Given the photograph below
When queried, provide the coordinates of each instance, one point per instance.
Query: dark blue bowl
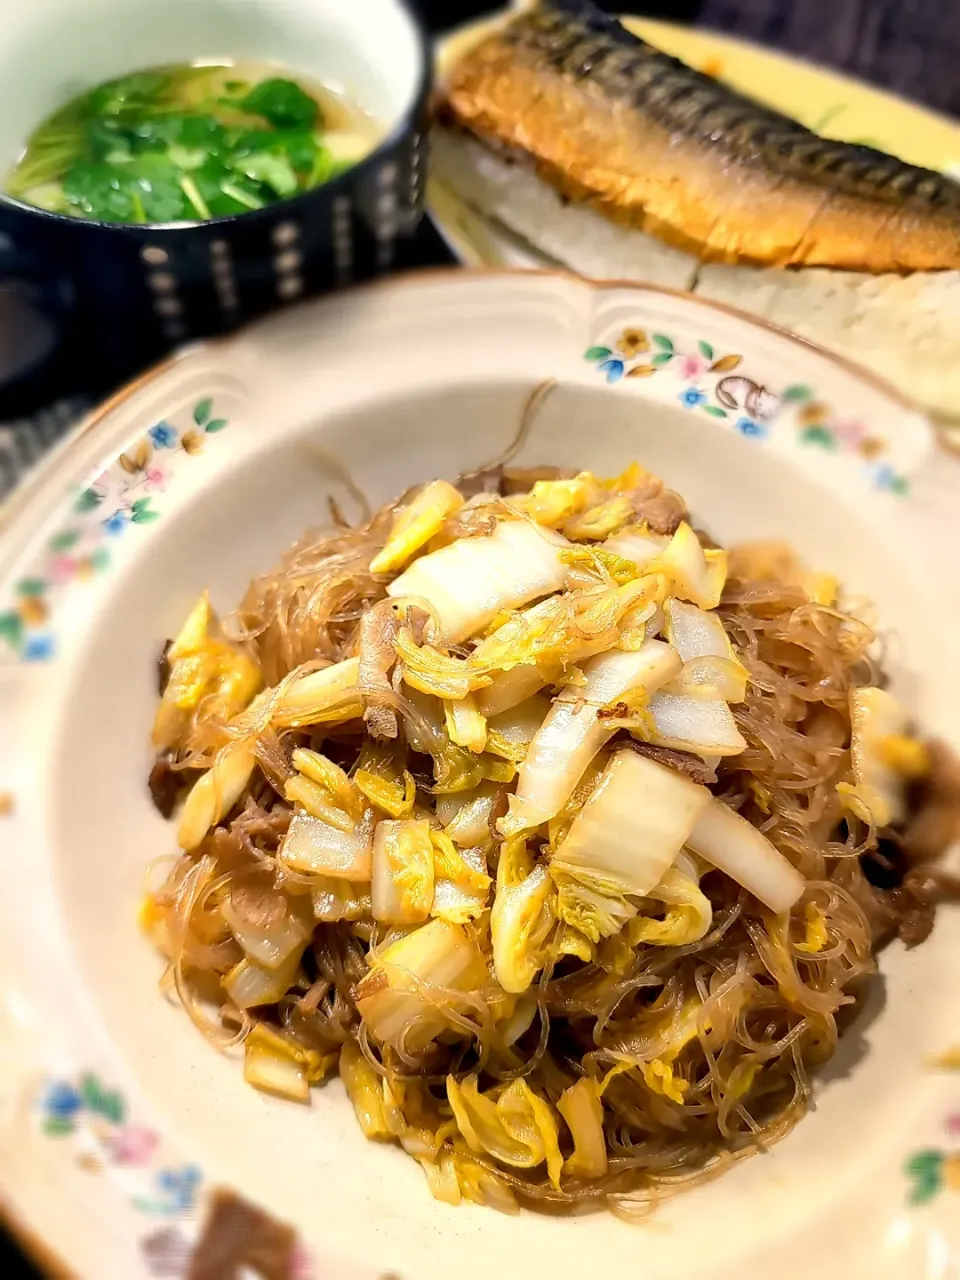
(122, 296)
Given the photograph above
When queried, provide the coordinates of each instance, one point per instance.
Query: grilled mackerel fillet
(657, 146)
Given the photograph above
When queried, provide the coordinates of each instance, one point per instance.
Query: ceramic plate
(118, 1120)
(832, 104)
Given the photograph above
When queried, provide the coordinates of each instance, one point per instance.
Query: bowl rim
(404, 125)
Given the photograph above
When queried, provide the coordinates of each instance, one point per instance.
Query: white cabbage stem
(636, 545)
(461, 899)
(509, 689)
(711, 679)
(695, 632)
(271, 944)
(572, 733)
(703, 725)
(695, 574)
(315, 846)
(468, 583)
(335, 899)
(632, 827)
(275, 1064)
(510, 733)
(330, 695)
(733, 845)
(250, 984)
(214, 794)
(466, 814)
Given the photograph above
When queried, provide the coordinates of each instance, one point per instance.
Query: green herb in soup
(188, 143)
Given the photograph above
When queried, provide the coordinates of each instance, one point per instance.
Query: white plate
(117, 1118)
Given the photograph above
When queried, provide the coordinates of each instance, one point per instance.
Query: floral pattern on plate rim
(93, 1117)
(121, 496)
(714, 384)
(103, 1138)
(95, 1120)
(937, 1168)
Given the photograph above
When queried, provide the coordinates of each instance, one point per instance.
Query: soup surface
(190, 143)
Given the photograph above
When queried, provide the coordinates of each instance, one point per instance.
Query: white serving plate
(116, 1118)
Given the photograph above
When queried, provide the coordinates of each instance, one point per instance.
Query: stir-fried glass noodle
(565, 836)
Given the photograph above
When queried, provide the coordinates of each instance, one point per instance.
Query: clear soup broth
(188, 143)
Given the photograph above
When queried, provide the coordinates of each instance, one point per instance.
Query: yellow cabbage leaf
(512, 1124)
(582, 1110)
(416, 525)
(598, 522)
(442, 1179)
(208, 677)
(597, 911)
(816, 933)
(402, 879)
(524, 912)
(462, 885)
(410, 984)
(276, 1063)
(689, 915)
(595, 562)
(214, 794)
(383, 780)
(365, 1090)
(660, 1078)
(879, 724)
(694, 574)
(571, 942)
(551, 502)
(479, 1185)
(342, 796)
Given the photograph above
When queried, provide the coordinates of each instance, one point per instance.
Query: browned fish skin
(653, 144)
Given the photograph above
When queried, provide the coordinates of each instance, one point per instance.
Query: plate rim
(730, 40)
(39, 1246)
(22, 493)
